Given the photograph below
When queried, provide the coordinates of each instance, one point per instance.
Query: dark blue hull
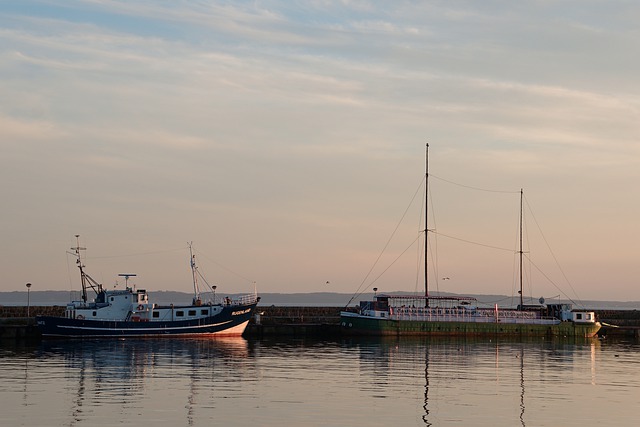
(230, 322)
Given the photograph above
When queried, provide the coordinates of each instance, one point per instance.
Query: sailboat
(128, 312)
(427, 314)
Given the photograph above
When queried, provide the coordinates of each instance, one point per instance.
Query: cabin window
(180, 313)
(588, 316)
(94, 314)
(192, 312)
(156, 314)
(204, 312)
(111, 299)
(578, 316)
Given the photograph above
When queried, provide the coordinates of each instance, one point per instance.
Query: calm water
(406, 382)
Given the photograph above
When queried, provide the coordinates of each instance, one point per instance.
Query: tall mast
(521, 300)
(426, 228)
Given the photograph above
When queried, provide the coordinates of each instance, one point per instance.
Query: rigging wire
(137, 254)
(433, 253)
(474, 188)
(552, 253)
(394, 261)
(209, 288)
(552, 282)
(359, 291)
(200, 254)
(471, 242)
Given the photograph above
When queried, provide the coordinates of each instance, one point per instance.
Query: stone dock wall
(286, 321)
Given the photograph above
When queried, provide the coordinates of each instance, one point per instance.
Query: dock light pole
(28, 299)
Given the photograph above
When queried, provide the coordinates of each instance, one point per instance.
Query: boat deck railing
(468, 315)
(245, 299)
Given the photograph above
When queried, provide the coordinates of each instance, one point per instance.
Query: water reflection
(406, 381)
(482, 370)
(121, 372)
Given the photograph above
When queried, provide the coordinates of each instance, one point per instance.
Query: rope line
(470, 242)
(474, 188)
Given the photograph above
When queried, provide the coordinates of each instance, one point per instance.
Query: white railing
(245, 299)
(466, 315)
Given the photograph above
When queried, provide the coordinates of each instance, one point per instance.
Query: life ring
(140, 307)
(80, 317)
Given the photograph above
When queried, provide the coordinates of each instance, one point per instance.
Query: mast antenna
(126, 279)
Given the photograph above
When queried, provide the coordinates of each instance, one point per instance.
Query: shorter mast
(196, 290)
(85, 279)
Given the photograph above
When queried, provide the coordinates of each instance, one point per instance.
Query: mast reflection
(425, 417)
(465, 377)
(522, 386)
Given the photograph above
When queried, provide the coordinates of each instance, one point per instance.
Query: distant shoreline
(310, 299)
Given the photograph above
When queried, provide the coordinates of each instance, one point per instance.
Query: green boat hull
(363, 325)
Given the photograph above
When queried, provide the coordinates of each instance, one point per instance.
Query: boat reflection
(472, 365)
(123, 372)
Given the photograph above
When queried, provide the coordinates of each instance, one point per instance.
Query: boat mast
(196, 295)
(426, 228)
(83, 278)
(520, 292)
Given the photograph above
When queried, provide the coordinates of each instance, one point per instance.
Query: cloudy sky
(286, 140)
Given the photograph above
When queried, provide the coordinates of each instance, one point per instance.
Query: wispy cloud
(310, 116)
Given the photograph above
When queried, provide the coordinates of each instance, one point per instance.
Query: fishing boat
(429, 314)
(129, 312)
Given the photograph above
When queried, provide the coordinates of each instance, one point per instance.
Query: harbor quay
(18, 322)
(268, 321)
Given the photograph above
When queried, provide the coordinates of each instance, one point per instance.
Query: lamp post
(214, 293)
(28, 301)
(375, 291)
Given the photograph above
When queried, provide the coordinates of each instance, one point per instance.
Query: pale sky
(286, 139)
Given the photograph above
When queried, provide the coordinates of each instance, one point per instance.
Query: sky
(286, 139)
